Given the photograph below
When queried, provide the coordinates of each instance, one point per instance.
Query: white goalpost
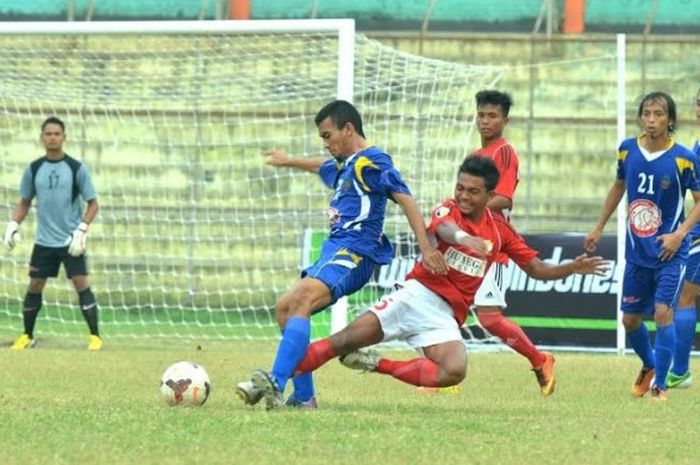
(196, 238)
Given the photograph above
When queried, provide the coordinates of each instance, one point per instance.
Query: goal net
(196, 237)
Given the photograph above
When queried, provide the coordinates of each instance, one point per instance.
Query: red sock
(512, 335)
(419, 371)
(316, 355)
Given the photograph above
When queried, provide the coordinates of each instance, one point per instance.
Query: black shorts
(46, 261)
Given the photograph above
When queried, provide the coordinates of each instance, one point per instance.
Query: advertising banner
(578, 311)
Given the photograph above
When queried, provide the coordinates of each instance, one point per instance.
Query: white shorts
(492, 292)
(417, 315)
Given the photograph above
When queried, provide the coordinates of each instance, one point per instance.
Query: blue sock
(303, 387)
(664, 347)
(684, 319)
(295, 341)
(640, 342)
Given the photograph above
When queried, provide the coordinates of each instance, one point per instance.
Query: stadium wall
(668, 16)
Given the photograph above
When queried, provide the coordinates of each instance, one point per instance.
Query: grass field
(62, 405)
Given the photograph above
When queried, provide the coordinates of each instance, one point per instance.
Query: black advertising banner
(574, 311)
(577, 311)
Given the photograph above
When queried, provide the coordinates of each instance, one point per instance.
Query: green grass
(62, 405)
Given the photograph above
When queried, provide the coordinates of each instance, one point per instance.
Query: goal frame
(345, 28)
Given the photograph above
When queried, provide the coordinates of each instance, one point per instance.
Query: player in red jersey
(428, 310)
(490, 300)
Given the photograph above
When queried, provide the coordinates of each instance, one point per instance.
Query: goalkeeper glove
(78, 240)
(12, 236)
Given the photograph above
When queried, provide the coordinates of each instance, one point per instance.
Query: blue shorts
(342, 270)
(692, 272)
(642, 287)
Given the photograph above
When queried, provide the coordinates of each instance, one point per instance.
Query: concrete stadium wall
(467, 15)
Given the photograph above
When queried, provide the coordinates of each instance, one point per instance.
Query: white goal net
(196, 237)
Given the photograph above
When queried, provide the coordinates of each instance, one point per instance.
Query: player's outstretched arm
(615, 194)
(281, 159)
(583, 264)
(432, 258)
(671, 242)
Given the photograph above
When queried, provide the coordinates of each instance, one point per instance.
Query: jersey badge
(442, 211)
(665, 182)
(644, 218)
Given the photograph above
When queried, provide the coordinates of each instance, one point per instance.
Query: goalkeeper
(58, 182)
(428, 310)
(363, 177)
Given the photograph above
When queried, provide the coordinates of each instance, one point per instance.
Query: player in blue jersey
(58, 182)
(685, 317)
(363, 178)
(655, 172)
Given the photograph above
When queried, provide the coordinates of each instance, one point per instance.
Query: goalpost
(196, 237)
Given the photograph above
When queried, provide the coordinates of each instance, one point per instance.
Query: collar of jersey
(351, 157)
(651, 156)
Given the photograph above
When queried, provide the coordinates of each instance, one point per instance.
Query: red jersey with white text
(467, 271)
(505, 158)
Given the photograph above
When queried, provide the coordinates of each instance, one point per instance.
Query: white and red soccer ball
(186, 384)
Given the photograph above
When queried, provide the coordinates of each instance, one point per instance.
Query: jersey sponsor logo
(466, 264)
(644, 218)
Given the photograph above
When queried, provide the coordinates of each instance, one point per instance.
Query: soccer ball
(185, 383)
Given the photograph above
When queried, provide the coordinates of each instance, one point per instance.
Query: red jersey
(505, 158)
(466, 271)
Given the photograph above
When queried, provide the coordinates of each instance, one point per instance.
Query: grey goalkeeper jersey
(57, 214)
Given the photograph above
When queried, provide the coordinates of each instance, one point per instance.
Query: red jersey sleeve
(506, 160)
(513, 245)
(444, 212)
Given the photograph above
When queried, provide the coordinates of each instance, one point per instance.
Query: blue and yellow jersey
(656, 185)
(695, 232)
(362, 184)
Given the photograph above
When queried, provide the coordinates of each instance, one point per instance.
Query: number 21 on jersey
(646, 184)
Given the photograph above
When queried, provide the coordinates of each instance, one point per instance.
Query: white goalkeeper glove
(12, 236)
(78, 240)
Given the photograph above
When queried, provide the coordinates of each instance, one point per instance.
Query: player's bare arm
(615, 194)
(280, 159)
(499, 202)
(583, 264)
(671, 242)
(432, 258)
(453, 234)
(22, 210)
(91, 211)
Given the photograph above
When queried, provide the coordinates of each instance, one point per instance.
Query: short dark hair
(53, 120)
(341, 112)
(670, 107)
(483, 167)
(495, 97)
